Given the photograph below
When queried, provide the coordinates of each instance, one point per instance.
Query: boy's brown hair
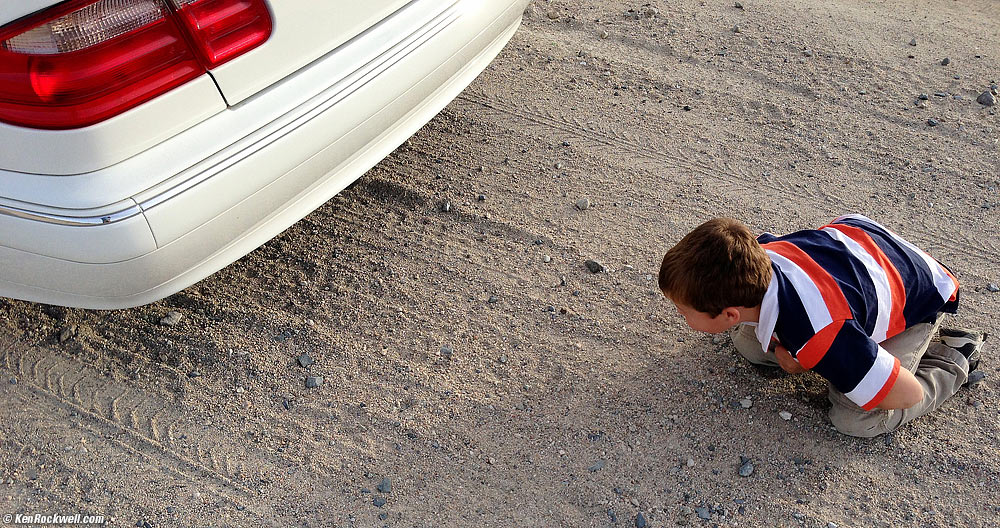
(718, 265)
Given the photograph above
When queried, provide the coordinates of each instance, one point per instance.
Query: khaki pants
(940, 369)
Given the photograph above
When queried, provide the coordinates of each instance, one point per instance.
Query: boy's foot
(975, 378)
(967, 342)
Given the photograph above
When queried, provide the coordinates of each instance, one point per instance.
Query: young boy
(851, 301)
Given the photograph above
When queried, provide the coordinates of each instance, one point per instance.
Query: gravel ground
(471, 334)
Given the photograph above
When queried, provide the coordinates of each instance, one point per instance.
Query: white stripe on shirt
(812, 299)
(874, 380)
(879, 278)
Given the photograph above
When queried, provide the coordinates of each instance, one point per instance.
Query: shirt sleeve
(843, 353)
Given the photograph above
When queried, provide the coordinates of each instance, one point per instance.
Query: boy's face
(703, 322)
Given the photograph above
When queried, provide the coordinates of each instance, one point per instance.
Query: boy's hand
(787, 362)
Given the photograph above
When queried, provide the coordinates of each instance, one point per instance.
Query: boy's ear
(732, 314)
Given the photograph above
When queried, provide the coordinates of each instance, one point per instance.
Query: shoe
(967, 342)
(975, 378)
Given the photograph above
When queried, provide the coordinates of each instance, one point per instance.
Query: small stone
(690, 462)
(172, 318)
(446, 207)
(314, 381)
(736, 29)
(558, 165)
(975, 378)
(992, 288)
(987, 98)
(785, 415)
(594, 266)
(640, 521)
(604, 35)
(304, 360)
(807, 53)
(597, 466)
(941, 94)
(378, 502)
(703, 513)
(913, 42)
(68, 333)
(481, 197)
(552, 15)
(738, 5)
(687, 108)
(493, 299)
(945, 61)
(385, 486)
(746, 467)
(546, 259)
(383, 516)
(923, 97)
(446, 352)
(831, 525)
(612, 516)
(746, 403)
(932, 122)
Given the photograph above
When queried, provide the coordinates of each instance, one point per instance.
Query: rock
(807, 53)
(738, 5)
(945, 61)
(913, 42)
(941, 94)
(546, 259)
(785, 415)
(923, 97)
(640, 521)
(446, 352)
(493, 299)
(987, 98)
(446, 207)
(736, 29)
(612, 516)
(703, 513)
(68, 333)
(604, 35)
(558, 165)
(594, 266)
(597, 466)
(304, 360)
(992, 288)
(172, 318)
(831, 525)
(552, 15)
(975, 378)
(383, 516)
(378, 502)
(932, 122)
(687, 108)
(313, 381)
(746, 403)
(385, 486)
(481, 198)
(690, 462)
(746, 467)
(583, 204)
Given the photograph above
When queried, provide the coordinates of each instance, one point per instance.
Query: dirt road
(469, 356)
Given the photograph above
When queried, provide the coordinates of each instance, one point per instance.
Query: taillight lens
(223, 29)
(84, 61)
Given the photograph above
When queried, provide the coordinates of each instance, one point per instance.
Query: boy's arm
(905, 393)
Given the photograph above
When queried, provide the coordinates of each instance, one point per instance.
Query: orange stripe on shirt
(833, 297)
(897, 323)
(884, 391)
(954, 294)
(814, 349)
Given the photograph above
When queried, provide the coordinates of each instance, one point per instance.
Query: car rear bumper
(211, 208)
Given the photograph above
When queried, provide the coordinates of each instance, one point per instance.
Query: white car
(146, 144)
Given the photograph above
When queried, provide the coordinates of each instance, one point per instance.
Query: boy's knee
(862, 425)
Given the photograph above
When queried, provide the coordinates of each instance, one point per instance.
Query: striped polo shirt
(838, 291)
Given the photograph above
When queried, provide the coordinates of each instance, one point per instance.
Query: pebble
(314, 381)
(690, 462)
(923, 97)
(640, 521)
(987, 98)
(304, 360)
(738, 5)
(703, 513)
(932, 122)
(481, 197)
(583, 204)
(378, 502)
(831, 525)
(941, 94)
(594, 266)
(993, 288)
(597, 466)
(612, 516)
(383, 516)
(546, 259)
(913, 42)
(746, 467)
(68, 333)
(558, 165)
(604, 35)
(172, 318)
(552, 15)
(945, 61)
(736, 29)
(446, 207)
(446, 351)
(785, 415)
(385, 486)
(746, 403)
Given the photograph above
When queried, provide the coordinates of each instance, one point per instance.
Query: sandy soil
(471, 358)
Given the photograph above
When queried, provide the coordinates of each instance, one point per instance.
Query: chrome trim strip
(72, 221)
(322, 102)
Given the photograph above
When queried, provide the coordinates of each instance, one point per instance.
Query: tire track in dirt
(128, 419)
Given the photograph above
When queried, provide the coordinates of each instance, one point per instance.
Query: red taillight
(223, 29)
(84, 61)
